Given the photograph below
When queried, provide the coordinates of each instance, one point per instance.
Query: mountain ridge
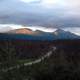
(25, 33)
(21, 31)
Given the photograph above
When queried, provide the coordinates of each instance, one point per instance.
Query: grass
(24, 61)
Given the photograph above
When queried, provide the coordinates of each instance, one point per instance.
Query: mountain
(21, 31)
(58, 34)
(61, 34)
(28, 34)
(42, 33)
(39, 32)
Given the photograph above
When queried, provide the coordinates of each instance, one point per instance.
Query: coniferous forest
(63, 64)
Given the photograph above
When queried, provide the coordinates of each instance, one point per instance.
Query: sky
(46, 13)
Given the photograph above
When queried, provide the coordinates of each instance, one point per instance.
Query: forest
(63, 64)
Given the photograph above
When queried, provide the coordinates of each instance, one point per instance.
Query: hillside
(63, 64)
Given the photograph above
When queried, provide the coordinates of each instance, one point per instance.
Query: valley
(63, 61)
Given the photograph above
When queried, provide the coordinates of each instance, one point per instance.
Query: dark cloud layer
(17, 12)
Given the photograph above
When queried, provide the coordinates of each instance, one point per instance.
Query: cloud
(8, 27)
(30, 1)
(72, 3)
(70, 7)
(75, 30)
(48, 3)
(45, 3)
(40, 12)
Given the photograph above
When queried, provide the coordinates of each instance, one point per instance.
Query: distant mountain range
(25, 33)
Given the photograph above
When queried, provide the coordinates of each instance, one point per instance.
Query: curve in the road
(32, 62)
